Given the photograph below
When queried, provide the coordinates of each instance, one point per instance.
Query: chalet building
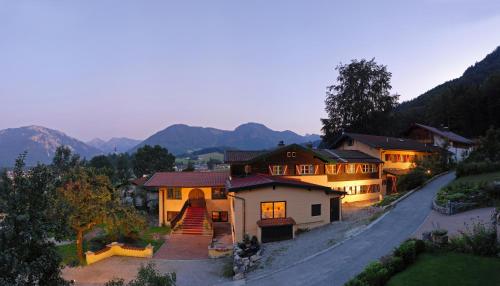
(397, 154)
(460, 147)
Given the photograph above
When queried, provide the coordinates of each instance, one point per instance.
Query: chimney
(281, 143)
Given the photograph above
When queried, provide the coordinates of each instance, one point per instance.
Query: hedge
(474, 168)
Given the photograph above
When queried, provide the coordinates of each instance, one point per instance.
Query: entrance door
(334, 209)
(389, 185)
(196, 198)
(276, 233)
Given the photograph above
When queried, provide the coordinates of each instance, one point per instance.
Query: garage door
(277, 233)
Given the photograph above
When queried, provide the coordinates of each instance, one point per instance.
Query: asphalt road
(336, 266)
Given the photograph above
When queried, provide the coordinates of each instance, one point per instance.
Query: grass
(68, 253)
(450, 269)
(389, 199)
(148, 236)
(486, 178)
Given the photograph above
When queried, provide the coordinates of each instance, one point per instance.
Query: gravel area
(277, 255)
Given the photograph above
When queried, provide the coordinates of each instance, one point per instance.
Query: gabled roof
(388, 143)
(139, 181)
(348, 156)
(261, 180)
(188, 179)
(444, 133)
(235, 156)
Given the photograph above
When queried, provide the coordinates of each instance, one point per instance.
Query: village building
(459, 146)
(399, 155)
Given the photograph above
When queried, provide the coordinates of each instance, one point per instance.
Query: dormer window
(291, 154)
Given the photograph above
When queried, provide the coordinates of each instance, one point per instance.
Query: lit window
(273, 210)
(350, 168)
(277, 170)
(374, 168)
(363, 189)
(331, 169)
(306, 169)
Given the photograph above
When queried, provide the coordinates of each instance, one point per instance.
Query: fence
(119, 249)
(452, 207)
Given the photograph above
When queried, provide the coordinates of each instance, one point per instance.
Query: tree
(147, 276)
(64, 160)
(212, 162)
(149, 160)
(123, 172)
(26, 255)
(91, 200)
(190, 167)
(488, 147)
(103, 165)
(359, 101)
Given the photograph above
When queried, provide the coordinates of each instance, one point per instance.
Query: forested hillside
(468, 105)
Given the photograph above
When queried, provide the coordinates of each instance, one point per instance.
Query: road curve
(338, 265)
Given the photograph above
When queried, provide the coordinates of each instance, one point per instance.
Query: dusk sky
(131, 68)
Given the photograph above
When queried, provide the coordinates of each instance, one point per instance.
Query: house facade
(459, 146)
(398, 155)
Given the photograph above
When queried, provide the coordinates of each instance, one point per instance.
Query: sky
(96, 68)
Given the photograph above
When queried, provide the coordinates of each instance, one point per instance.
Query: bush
(462, 193)
(474, 168)
(375, 274)
(147, 275)
(479, 240)
(407, 251)
(356, 282)
(415, 178)
(394, 264)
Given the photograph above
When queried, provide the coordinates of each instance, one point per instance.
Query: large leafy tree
(26, 255)
(89, 200)
(148, 160)
(102, 164)
(360, 100)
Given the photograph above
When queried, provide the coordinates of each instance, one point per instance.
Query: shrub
(356, 282)
(412, 180)
(479, 240)
(147, 275)
(407, 251)
(394, 264)
(474, 168)
(419, 246)
(375, 274)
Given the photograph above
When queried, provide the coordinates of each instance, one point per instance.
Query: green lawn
(450, 269)
(68, 253)
(486, 177)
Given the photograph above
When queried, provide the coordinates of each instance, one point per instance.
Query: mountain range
(115, 144)
(41, 142)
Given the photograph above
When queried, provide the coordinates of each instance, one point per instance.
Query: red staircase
(194, 222)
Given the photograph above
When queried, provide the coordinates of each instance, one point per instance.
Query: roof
(234, 156)
(261, 181)
(445, 133)
(276, 222)
(348, 156)
(139, 181)
(388, 143)
(396, 171)
(187, 179)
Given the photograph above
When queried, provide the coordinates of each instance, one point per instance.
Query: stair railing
(210, 222)
(178, 217)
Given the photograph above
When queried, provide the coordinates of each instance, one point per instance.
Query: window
(374, 168)
(291, 154)
(387, 157)
(277, 170)
(306, 169)
(174, 194)
(350, 168)
(272, 210)
(351, 190)
(374, 188)
(363, 189)
(316, 210)
(219, 193)
(365, 168)
(331, 169)
(219, 216)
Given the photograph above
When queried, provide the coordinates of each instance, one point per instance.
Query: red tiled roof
(396, 171)
(261, 180)
(139, 181)
(187, 179)
(275, 222)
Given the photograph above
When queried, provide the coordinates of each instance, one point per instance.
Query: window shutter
(270, 170)
(297, 169)
(285, 171)
(316, 169)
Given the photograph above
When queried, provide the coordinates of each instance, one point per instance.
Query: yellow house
(398, 154)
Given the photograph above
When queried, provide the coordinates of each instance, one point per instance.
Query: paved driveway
(338, 265)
